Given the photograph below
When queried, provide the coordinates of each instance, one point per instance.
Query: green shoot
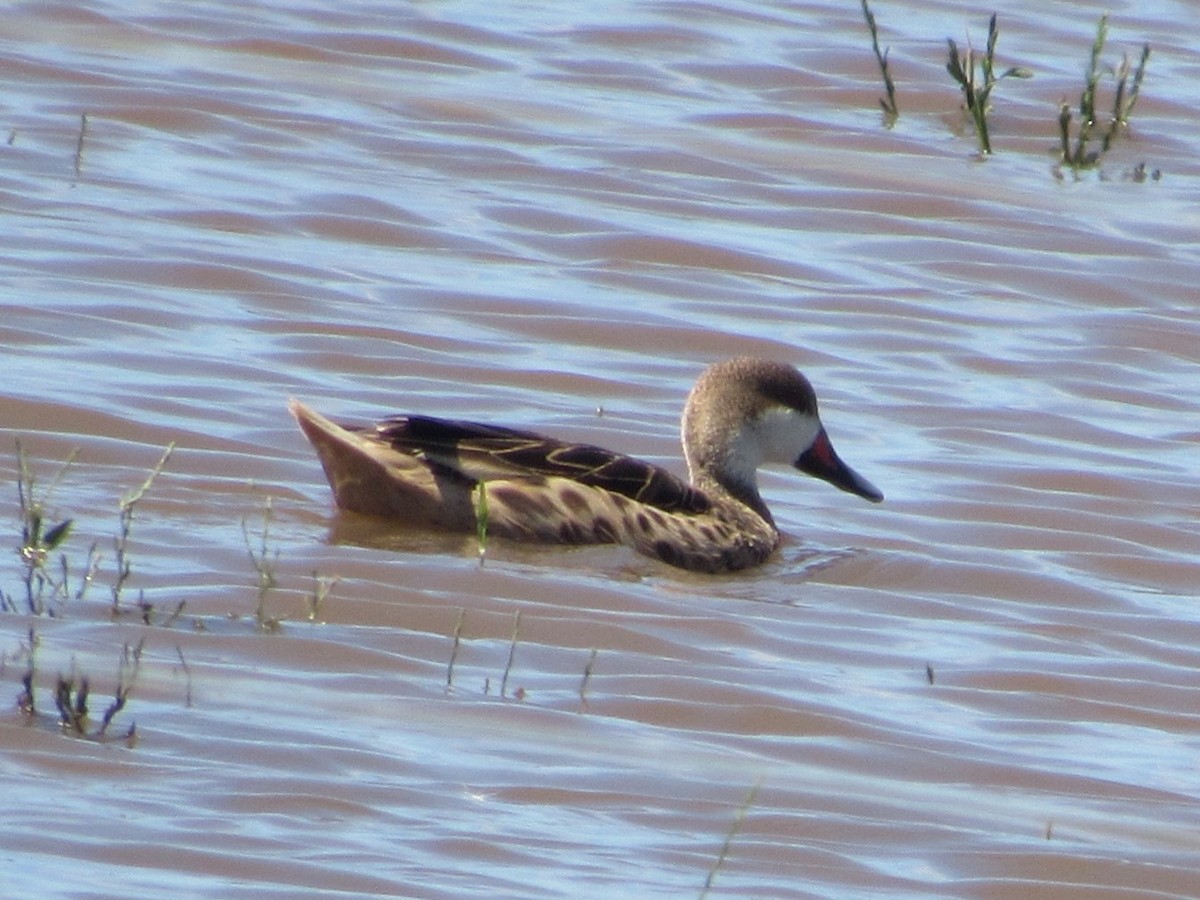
(890, 110)
(322, 585)
(976, 76)
(40, 538)
(738, 819)
(1077, 154)
(587, 676)
(127, 673)
(121, 542)
(512, 653)
(481, 518)
(455, 644)
(263, 562)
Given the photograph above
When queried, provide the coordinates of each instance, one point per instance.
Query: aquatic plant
(455, 643)
(322, 585)
(45, 592)
(25, 700)
(976, 76)
(512, 655)
(83, 129)
(481, 519)
(72, 693)
(263, 560)
(587, 676)
(187, 676)
(890, 109)
(1125, 97)
(121, 542)
(734, 828)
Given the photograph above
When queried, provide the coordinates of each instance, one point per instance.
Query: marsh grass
(734, 828)
(587, 677)
(83, 130)
(187, 676)
(455, 644)
(1079, 154)
(46, 592)
(25, 700)
(512, 655)
(263, 560)
(128, 507)
(322, 586)
(127, 674)
(976, 76)
(481, 519)
(890, 110)
(73, 694)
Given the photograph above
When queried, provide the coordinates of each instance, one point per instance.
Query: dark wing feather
(458, 444)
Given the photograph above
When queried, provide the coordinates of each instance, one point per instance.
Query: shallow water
(556, 218)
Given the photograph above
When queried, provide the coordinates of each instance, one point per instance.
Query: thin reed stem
(512, 653)
(890, 109)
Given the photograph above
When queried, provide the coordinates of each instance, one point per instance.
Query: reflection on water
(527, 217)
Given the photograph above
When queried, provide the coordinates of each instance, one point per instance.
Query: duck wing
(486, 452)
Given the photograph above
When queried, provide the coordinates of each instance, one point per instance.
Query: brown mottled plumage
(741, 414)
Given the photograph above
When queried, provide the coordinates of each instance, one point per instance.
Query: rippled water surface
(555, 215)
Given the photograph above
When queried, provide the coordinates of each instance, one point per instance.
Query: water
(554, 218)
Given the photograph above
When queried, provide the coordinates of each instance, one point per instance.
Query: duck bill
(821, 461)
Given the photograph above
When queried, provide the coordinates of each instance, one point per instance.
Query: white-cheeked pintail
(741, 414)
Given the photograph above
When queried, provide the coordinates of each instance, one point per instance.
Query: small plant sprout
(72, 692)
(738, 819)
(587, 676)
(187, 676)
(322, 585)
(891, 112)
(263, 561)
(127, 673)
(39, 540)
(1125, 97)
(976, 76)
(512, 654)
(456, 642)
(71, 697)
(25, 701)
(83, 129)
(121, 542)
(481, 519)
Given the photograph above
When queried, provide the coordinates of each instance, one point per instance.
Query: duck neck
(735, 491)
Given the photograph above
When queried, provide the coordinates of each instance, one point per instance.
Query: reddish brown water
(527, 213)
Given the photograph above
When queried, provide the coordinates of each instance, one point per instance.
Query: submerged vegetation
(72, 692)
(481, 519)
(1080, 146)
(1078, 154)
(49, 580)
(48, 585)
(734, 828)
(71, 695)
(45, 591)
(121, 542)
(263, 561)
(890, 110)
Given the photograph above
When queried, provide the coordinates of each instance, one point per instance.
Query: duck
(478, 478)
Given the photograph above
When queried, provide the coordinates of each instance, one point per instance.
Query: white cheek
(784, 434)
